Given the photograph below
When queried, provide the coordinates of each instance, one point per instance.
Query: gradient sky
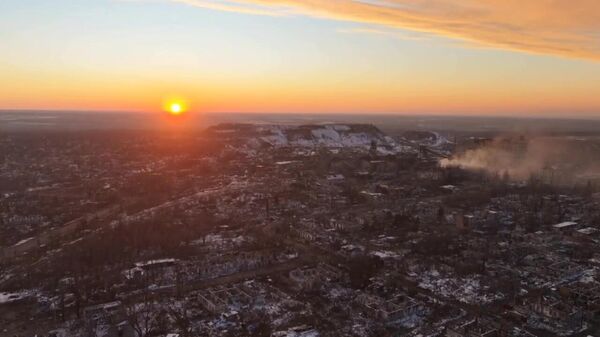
(506, 57)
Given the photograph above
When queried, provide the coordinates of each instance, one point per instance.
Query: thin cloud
(382, 32)
(553, 27)
(233, 6)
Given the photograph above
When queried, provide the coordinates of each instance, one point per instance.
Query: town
(295, 230)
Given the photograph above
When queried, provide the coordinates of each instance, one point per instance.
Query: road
(7, 253)
(58, 232)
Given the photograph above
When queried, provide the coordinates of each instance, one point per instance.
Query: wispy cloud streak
(384, 33)
(233, 6)
(555, 27)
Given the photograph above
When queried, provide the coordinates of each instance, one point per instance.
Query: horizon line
(515, 115)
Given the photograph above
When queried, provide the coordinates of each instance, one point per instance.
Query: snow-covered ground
(14, 297)
(329, 136)
(325, 135)
(467, 290)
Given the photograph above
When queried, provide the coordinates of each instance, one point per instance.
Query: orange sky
(539, 57)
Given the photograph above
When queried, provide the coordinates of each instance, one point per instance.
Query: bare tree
(180, 315)
(143, 316)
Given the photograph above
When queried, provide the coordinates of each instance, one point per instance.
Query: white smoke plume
(554, 158)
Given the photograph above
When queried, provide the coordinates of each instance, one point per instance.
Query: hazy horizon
(389, 123)
(313, 113)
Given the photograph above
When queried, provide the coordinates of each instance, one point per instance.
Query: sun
(175, 107)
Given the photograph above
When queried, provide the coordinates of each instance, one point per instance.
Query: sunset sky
(482, 57)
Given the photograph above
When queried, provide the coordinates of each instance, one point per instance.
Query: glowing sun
(175, 108)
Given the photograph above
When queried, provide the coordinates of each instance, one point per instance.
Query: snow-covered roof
(565, 224)
(23, 241)
(13, 297)
(155, 262)
(335, 177)
(587, 230)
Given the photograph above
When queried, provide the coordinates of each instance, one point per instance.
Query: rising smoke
(556, 159)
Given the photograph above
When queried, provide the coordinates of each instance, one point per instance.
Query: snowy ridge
(431, 139)
(439, 140)
(334, 136)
